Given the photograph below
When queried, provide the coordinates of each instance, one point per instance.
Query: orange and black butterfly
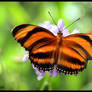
(70, 53)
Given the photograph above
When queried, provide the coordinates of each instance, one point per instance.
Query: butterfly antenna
(73, 22)
(52, 18)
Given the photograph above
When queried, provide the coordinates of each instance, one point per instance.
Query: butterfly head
(60, 33)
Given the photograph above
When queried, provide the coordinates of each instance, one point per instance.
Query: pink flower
(54, 29)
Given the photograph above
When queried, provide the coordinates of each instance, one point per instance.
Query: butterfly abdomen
(58, 46)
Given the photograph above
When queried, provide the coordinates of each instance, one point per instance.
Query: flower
(54, 29)
(26, 57)
(39, 73)
(53, 73)
(75, 31)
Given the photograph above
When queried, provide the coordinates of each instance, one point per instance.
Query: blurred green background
(17, 75)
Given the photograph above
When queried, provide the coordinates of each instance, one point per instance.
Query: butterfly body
(69, 54)
(58, 44)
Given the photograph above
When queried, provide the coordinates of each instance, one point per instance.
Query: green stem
(47, 82)
(44, 85)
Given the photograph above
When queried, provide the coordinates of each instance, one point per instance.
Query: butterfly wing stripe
(84, 50)
(40, 29)
(16, 29)
(44, 61)
(41, 42)
(66, 61)
(22, 40)
(87, 38)
(34, 31)
(70, 55)
(78, 52)
(48, 65)
(42, 55)
(29, 34)
(68, 70)
(28, 30)
(75, 44)
(68, 64)
(44, 67)
(78, 47)
(72, 60)
(37, 36)
(84, 40)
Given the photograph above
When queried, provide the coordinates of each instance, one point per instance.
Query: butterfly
(70, 54)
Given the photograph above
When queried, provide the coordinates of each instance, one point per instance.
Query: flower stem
(49, 83)
(44, 85)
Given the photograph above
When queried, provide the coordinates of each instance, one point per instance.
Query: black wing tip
(15, 30)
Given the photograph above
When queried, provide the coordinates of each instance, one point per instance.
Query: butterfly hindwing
(44, 57)
(74, 52)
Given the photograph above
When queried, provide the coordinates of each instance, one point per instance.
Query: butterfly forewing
(75, 51)
(29, 35)
(39, 42)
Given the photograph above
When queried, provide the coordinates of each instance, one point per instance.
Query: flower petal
(60, 24)
(65, 32)
(46, 25)
(40, 73)
(75, 74)
(51, 27)
(54, 29)
(53, 72)
(75, 31)
(26, 51)
(25, 58)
